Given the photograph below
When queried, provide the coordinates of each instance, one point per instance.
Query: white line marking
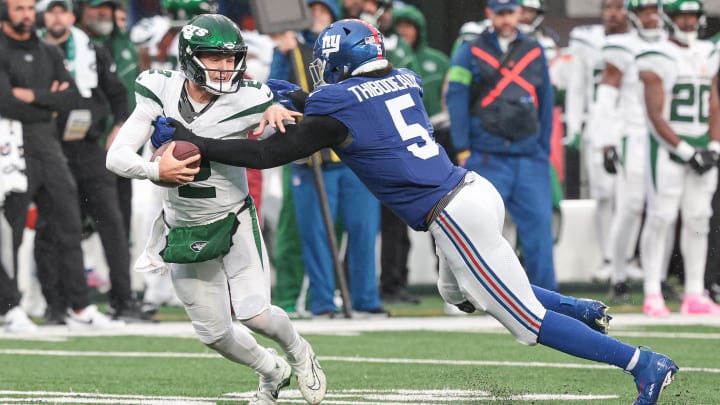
(340, 397)
(71, 353)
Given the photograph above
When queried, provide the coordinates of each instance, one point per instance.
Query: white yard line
(177, 355)
(341, 397)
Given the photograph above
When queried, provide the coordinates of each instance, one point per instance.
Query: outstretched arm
(299, 141)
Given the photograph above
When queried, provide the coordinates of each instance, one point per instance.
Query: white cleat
(90, 319)
(270, 386)
(310, 376)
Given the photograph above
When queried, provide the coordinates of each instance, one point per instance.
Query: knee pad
(269, 322)
(215, 341)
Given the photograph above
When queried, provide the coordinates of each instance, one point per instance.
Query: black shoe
(668, 292)
(326, 315)
(620, 293)
(401, 297)
(131, 312)
(54, 317)
(715, 292)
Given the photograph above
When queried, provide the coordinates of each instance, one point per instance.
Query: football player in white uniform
(587, 64)
(208, 230)
(619, 100)
(681, 96)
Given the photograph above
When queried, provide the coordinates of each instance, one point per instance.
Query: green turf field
(432, 366)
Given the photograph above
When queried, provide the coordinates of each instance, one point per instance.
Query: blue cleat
(591, 312)
(657, 374)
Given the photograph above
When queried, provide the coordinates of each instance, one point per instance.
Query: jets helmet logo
(330, 44)
(189, 31)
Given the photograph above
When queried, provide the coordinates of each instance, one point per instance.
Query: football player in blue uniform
(372, 115)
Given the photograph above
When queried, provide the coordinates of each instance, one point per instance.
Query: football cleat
(699, 305)
(654, 305)
(270, 386)
(657, 374)
(89, 318)
(593, 314)
(310, 376)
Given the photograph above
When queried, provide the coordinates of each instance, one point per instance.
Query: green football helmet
(212, 33)
(537, 5)
(672, 8)
(181, 11)
(649, 34)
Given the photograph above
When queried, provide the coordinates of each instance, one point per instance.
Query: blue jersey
(393, 151)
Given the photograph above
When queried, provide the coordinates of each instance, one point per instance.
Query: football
(182, 151)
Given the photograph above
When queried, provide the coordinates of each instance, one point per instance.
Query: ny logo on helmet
(330, 44)
(189, 31)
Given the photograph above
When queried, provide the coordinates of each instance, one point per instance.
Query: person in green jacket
(432, 64)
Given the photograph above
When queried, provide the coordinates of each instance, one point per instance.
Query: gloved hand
(610, 159)
(163, 132)
(703, 160)
(280, 90)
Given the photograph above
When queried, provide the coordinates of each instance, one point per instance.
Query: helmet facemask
(648, 34)
(201, 74)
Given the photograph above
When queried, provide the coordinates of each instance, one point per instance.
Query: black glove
(703, 160)
(610, 159)
(184, 134)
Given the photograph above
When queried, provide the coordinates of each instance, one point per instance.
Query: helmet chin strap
(684, 37)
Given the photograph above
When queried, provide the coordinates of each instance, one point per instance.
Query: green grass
(378, 364)
(214, 377)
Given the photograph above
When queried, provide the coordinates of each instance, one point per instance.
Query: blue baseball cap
(503, 5)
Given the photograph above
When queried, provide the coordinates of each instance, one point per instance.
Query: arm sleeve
(458, 97)
(112, 86)
(11, 107)
(60, 101)
(576, 89)
(659, 63)
(299, 141)
(122, 157)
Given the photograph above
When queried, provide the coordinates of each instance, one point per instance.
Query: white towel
(150, 260)
(12, 162)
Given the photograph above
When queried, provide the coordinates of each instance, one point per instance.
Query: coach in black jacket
(35, 87)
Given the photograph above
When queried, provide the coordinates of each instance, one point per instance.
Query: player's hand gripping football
(176, 171)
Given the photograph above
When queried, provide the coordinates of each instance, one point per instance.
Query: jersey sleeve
(326, 100)
(149, 87)
(576, 85)
(616, 52)
(659, 62)
(714, 58)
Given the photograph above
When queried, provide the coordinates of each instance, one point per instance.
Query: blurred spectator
(82, 129)
(506, 141)
(36, 87)
(352, 8)
(347, 197)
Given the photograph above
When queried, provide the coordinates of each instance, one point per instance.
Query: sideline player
(229, 269)
(586, 44)
(372, 115)
(618, 126)
(681, 96)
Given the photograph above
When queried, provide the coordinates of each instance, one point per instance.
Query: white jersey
(218, 189)
(620, 51)
(687, 74)
(585, 44)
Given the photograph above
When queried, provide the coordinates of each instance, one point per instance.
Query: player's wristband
(684, 151)
(714, 146)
